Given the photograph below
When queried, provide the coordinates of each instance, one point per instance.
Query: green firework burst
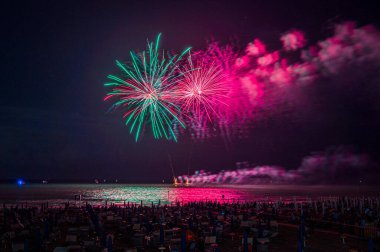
(144, 88)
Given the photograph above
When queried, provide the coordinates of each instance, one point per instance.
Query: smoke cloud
(338, 165)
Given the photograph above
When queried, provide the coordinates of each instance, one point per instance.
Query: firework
(144, 91)
(202, 90)
(220, 92)
(218, 60)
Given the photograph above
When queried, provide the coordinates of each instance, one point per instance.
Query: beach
(258, 223)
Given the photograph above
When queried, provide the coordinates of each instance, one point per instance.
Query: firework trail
(144, 91)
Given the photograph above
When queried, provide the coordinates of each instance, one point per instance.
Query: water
(148, 193)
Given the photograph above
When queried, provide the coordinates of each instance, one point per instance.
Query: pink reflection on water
(191, 194)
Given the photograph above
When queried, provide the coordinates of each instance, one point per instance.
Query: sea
(58, 194)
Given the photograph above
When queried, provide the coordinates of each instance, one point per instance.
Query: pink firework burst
(224, 58)
(202, 91)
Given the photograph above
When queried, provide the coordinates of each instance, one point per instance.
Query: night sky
(56, 56)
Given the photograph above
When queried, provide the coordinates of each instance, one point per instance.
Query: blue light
(20, 182)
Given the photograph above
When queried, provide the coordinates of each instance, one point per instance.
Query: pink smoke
(256, 48)
(293, 40)
(330, 166)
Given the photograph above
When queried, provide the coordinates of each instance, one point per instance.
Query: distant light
(20, 182)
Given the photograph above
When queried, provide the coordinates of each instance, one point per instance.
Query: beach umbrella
(301, 236)
(109, 244)
(370, 245)
(162, 235)
(183, 241)
(60, 249)
(214, 230)
(26, 245)
(323, 208)
(38, 238)
(4, 216)
(300, 243)
(315, 207)
(96, 224)
(103, 239)
(245, 242)
(46, 229)
(190, 222)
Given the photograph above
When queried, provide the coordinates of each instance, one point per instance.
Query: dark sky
(55, 56)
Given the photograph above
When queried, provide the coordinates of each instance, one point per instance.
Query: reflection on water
(166, 193)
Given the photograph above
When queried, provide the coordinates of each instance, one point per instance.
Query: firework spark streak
(144, 91)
